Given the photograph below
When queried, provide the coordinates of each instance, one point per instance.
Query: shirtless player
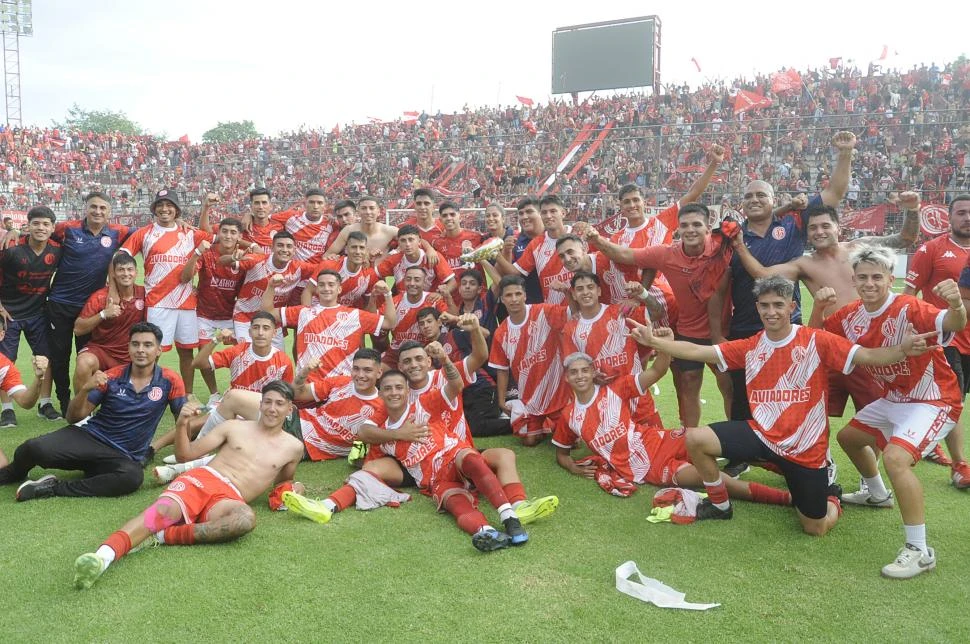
(210, 504)
(379, 235)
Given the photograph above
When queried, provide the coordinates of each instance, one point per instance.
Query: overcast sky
(180, 66)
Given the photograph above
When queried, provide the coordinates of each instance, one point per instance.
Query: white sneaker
(170, 460)
(164, 474)
(862, 497)
(910, 562)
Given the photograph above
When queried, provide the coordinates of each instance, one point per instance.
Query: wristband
(103, 317)
(198, 252)
(644, 293)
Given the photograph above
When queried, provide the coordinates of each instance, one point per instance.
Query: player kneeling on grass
(785, 368)
(440, 460)
(210, 504)
(602, 417)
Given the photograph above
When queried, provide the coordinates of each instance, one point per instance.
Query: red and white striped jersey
(258, 270)
(927, 378)
(407, 318)
(330, 429)
(354, 287)
(540, 256)
(312, 238)
(166, 251)
(654, 231)
(329, 334)
(396, 264)
(787, 385)
(249, 371)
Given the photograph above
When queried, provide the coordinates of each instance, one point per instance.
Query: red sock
(344, 497)
(469, 519)
(474, 467)
(181, 535)
(120, 542)
(515, 492)
(767, 494)
(717, 493)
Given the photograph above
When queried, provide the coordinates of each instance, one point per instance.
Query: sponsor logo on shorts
(176, 486)
(155, 394)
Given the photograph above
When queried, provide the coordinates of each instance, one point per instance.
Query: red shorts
(859, 385)
(448, 482)
(536, 425)
(668, 454)
(198, 490)
(105, 359)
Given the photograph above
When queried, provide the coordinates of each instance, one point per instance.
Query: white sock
(44, 401)
(515, 506)
(877, 489)
(505, 511)
(182, 468)
(330, 505)
(107, 555)
(916, 536)
(160, 535)
(7, 406)
(484, 528)
(214, 419)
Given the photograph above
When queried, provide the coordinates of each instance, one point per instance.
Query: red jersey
(249, 371)
(935, 261)
(427, 234)
(426, 460)
(354, 287)
(330, 429)
(437, 380)
(262, 236)
(329, 334)
(788, 388)
(396, 264)
(312, 237)
(603, 338)
(540, 257)
(10, 381)
(218, 286)
(453, 247)
(606, 425)
(258, 269)
(693, 280)
(112, 335)
(654, 231)
(407, 318)
(530, 352)
(613, 279)
(166, 251)
(927, 378)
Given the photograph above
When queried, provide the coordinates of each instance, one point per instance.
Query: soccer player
(923, 398)
(329, 333)
(475, 298)
(344, 214)
(423, 218)
(312, 230)
(87, 248)
(13, 386)
(694, 267)
(25, 279)
(938, 259)
(357, 279)
(540, 256)
(218, 288)
(413, 254)
(377, 234)
(112, 446)
(406, 306)
(261, 225)
(454, 240)
(531, 227)
(109, 322)
(252, 363)
(210, 504)
(258, 270)
(785, 367)
(601, 415)
(526, 349)
(165, 248)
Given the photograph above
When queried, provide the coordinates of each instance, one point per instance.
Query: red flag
(785, 81)
(885, 52)
(872, 219)
(696, 64)
(746, 100)
(835, 62)
(525, 100)
(184, 139)
(374, 119)
(411, 116)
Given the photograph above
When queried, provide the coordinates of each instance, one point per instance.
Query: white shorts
(916, 427)
(207, 328)
(241, 329)
(180, 325)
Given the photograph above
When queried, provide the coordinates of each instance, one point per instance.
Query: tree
(231, 131)
(101, 121)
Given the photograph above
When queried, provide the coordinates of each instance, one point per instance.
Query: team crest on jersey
(106, 242)
(155, 394)
(176, 486)
(49, 259)
(140, 304)
(798, 354)
(677, 433)
(547, 252)
(889, 328)
(778, 233)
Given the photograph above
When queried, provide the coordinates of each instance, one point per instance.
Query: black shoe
(707, 510)
(8, 418)
(835, 490)
(734, 469)
(42, 488)
(517, 534)
(47, 412)
(490, 539)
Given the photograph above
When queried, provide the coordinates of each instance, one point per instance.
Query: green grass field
(409, 574)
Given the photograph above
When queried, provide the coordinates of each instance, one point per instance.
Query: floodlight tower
(16, 20)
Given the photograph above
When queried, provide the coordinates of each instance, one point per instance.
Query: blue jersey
(127, 419)
(783, 242)
(84, 260)
(533, 291)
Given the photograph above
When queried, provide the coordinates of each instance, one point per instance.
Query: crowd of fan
(912, 128)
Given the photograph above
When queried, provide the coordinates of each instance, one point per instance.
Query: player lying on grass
(785, 367)
(602, 417)
(210, 504)
(443, 464)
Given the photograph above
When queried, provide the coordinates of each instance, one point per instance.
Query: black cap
(166, 194)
